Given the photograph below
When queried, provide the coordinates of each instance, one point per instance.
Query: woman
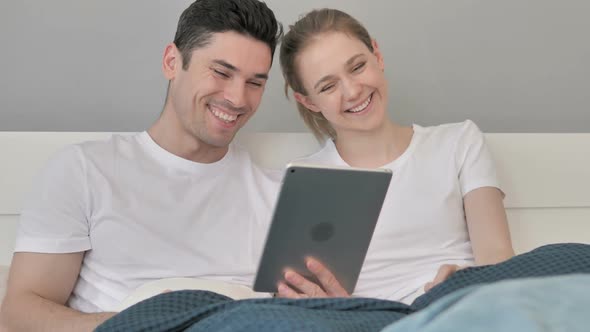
(443, 210)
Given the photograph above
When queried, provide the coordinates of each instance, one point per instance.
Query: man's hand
(444, 272)
(330, 287)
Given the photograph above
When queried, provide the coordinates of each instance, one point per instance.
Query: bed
(546, 178)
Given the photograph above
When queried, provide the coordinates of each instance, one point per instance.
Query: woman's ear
(305, 101)
(378, 54)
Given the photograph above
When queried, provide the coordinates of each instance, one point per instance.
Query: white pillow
(153, 288)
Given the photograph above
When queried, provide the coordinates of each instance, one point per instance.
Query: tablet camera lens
(322, 231)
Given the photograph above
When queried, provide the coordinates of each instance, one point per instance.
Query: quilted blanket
(206, 311)
(556, 303)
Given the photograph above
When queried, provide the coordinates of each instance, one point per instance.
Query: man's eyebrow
(231, 67)
(226, 65)
(329, 77)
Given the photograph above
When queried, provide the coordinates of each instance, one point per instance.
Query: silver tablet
(328, 213)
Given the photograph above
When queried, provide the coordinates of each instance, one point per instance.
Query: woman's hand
(329, 286)
(444, 272)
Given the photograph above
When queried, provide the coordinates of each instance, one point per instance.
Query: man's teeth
(223, 116)
(361, 106)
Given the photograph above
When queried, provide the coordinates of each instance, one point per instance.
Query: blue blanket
(558, 303)
(206, 311)
(549, 260)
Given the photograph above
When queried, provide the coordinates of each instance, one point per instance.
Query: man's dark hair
(203, 18)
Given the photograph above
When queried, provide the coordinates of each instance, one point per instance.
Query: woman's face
(344, 81)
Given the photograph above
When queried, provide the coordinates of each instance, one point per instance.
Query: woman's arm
(488, 231)
(488, 226)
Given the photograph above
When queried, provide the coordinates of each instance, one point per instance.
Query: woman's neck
(374, 149)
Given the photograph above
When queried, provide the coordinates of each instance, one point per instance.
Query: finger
(329, 282)
(305, 286)
(444, 272)
(285, 291)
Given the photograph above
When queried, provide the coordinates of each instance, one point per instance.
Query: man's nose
(235, 93)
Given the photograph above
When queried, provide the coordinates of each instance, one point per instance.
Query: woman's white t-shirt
(422, 223)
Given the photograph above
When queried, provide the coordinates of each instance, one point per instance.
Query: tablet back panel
(326, 213)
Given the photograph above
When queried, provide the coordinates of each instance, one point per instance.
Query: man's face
(221, 88)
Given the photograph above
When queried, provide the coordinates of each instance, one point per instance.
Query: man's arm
(38, 287)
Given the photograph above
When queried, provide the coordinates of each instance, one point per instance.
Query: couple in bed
(179, 200)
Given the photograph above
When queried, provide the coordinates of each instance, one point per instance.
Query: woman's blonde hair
(299, 36)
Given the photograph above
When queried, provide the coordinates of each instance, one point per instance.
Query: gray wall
(510, 65)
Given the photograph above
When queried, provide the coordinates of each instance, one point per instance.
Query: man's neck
(170, 135)
(374, 149)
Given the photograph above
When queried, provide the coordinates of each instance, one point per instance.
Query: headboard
(546, 178)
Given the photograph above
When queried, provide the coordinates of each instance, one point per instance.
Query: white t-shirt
(142, 214)
(422, 223)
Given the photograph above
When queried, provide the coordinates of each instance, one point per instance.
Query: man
(175, 201)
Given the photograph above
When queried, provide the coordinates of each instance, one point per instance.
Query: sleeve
(54, 218)
(474, 160)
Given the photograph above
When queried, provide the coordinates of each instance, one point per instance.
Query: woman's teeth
(362, 106)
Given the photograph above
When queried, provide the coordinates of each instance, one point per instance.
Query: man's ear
(378, 54)
(305, 101)
(172, 61)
